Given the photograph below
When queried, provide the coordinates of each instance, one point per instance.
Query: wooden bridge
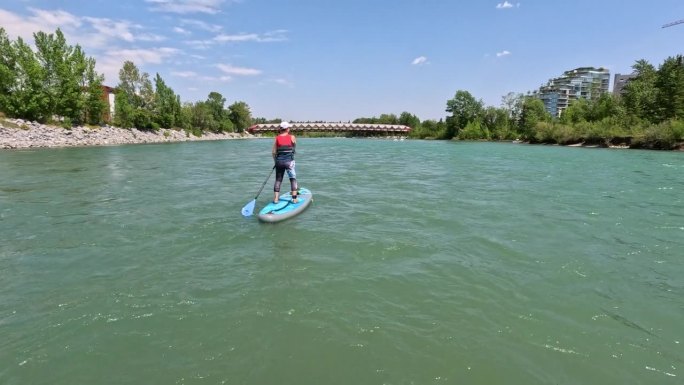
(360, 129)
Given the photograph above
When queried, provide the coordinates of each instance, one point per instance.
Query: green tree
(215, 102)
(123, 110)
(512, 103)
(201, 118)
(8, 76)
(639, 94)
(387, 119)
(95, 104)
(429, 129)
(64, 67)
(533, 112)
(497, 122)
(27, 99)
(669, 83)
(166, 103)
(139, 92)
(605, 106)
(408, 119)
(578, 111)
(240, 115)
(129, 79)
(474, 130)
(464, 108)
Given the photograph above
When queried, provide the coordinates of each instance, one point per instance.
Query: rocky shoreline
(18, 134)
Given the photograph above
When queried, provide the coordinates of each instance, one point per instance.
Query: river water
(419, 262)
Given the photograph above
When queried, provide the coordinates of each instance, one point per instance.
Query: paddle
(249, 207)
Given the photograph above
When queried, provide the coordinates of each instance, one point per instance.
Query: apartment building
(579, 83)
(619, 82)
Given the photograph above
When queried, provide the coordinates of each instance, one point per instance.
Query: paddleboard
(284, 209)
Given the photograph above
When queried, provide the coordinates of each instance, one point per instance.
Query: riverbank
(18, 133)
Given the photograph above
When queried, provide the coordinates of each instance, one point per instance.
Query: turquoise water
(419, 262)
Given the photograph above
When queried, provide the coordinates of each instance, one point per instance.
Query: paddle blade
(249, 208)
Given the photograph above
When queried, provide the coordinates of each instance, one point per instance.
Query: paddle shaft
(264, 184)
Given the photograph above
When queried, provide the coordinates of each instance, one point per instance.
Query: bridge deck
(334, 127)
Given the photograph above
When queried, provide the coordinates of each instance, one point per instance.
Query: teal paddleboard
(285, 208)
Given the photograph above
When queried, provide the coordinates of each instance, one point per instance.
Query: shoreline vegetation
(20, 134)
(52, 96)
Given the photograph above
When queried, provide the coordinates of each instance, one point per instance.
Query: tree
(240, 115)
(464, 108)
(129, 79)
(64, 68)
(408, 119)
(215, 102)
(27, 99)
(8, 76)
(429, 129)
(201, 118)
(94, 103)
(578, 111)
(603, 107)
(512, 103)
(533, 112)
(139, 92)
(123, 110)
(387, 119)
(166, 104)
(497, 123)
(669, 82)
(639, 94)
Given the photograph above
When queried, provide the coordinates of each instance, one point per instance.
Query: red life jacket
(285, 148)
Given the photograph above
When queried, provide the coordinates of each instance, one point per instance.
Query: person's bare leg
(276, 196)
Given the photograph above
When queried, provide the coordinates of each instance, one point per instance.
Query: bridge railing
(334, 127)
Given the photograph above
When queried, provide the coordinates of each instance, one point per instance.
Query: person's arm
(294, 144)
(273, 150)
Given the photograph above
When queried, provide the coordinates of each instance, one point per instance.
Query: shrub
(473, 131)
(67, 123)
(556, 133)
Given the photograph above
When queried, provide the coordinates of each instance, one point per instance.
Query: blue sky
(341, 60)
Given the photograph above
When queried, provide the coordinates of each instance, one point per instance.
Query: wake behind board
(284, 209)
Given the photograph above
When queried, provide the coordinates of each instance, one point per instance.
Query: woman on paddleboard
(283, 154)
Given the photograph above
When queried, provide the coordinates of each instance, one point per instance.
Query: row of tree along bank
(648, 114)
(58, 84)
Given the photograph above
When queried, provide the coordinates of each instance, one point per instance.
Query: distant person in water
(283, 154)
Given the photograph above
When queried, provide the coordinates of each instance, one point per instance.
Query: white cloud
(277, 35)
(184, 74)
(506, 5)
(201, 25)
(186, 6)
(181, 31)
(54, 18)
(240, 71)
(420, 60)
(195, 75)
(113, 29)
(142, 56)
(112, 61)
(200, 44)
(238, 38)
(502, 53)
(283, 82)
(273, 36)
(41, 20)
